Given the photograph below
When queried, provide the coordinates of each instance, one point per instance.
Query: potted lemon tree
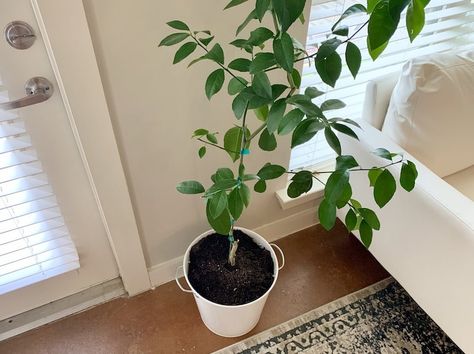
(231, 270)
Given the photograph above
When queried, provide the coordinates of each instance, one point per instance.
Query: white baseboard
(166, 271)
(55, 310)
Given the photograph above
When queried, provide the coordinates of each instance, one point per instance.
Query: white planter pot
(225, 320)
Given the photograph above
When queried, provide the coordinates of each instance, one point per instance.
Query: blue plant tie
(245, 151)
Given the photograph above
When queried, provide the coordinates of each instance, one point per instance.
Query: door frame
(63, 26)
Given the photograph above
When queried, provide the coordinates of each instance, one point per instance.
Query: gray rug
(382, 318)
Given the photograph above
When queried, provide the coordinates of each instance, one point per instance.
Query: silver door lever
(38, 89)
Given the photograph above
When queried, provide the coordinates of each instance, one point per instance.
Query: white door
(52, 158)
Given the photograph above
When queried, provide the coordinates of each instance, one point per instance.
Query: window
(34, 240)
(448, 26)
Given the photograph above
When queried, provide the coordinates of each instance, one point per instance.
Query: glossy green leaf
(234, 3)
(261, 62)
(216, 54)
(267, 141)
(184, 51)
(329, 69)
(365, 233)
(304, 103)
(341, 31)
(332, 140)
(239, 104)
(327, 214)
(202, 152)
(179, 25)
(214, 83)
(173, 39)
(233, 142)
(346, 162)
(277, 111)
(206, 41)
(259, 36)
(212, 138)
(190, 187)
(277, 90)
(407, 177)
(353, 58)
(290, 121)
(252, 16)
(236, 85)
(261, 8)
(236, 205)
(345, 120)
(344, 129)
(313, 92)
(301, 183)
(415, 18)
(305, 131)
(335, 185)
(261, 85)
(260, 186)
(352, 10)
(370, 217)
(296, 78)
(327, 48)
(373, 174)
(345, 196)
(223, 174)
(262, 113)
(245, 194)
(222, 224)
(200, 132)
(384, 153)
(371, 5)
(271, 172)
(384, 188)
(350, 220)
(332, 104)
(217, 204)
(284, 52)
(288, 11)
(240, 64)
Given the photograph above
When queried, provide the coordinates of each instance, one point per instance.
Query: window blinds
(448, 26)
(34, 240)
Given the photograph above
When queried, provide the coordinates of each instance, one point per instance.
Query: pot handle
(282, 256)
(179, 284)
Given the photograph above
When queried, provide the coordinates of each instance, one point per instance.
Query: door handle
(38, 89)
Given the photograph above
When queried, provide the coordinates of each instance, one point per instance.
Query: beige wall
(155, 107)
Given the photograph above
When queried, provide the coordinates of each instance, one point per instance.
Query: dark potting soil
(213, 278)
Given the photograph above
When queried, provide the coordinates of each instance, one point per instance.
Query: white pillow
(431, 112)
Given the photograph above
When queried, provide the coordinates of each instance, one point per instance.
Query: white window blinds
(448, 26)
(34, 240)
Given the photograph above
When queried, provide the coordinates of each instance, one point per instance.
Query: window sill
(316, 192)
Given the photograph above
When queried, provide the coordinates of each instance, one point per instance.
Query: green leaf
(212, 138)
(220, 186)
(260, 186)
(261, 85)
(352, 10)
(217, 204)
(183, 52)
(327, 48)
(384, 188)
(250, 177)
(384, 153)
(415, 18)
(284, 52)
(373, 174)
(221, 224)
(179, 25)
(305, 131)
(242, 44)
(332, 104)
(173, 39)
(276, 115)
(259, 36)
(341, 31)
(214, 83)
(335, 185)
(240, 64)
(262, 113)
(202, 152)
(332, 140)
(236, 205)
(413, 167)
(353, 58)
(277, 90)
(267, 141)
(288, 11)
(370, 217)
(236, 85)
(261, 62)
(351, 220)
(327, 214)
(304, 103)
(407, 177)
(346, 162)
(271, 172)
(296, 78)
(245, 194)
(233, 142)
(206, 41)
(313, 92)
(216, 54)
(365, 233)
(301, 183)
(290, 121)
(345, 120)
(239, 104)
(190, 187)
(371, 5)
(223, 174)
(344, 129)
(250, 17)
(261, 8)
(234, 3)
(345, 197)
(200, 132)
(356, 204)
(329, 69)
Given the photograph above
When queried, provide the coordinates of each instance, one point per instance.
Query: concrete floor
(320, 267)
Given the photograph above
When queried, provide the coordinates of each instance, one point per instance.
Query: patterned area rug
(382, 318)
